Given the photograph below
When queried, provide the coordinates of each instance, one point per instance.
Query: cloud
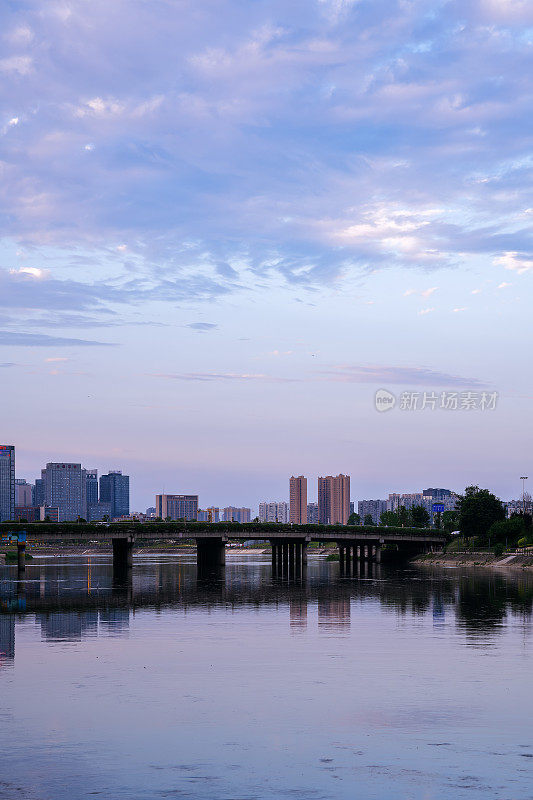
(504, 285)
(414, 376)
(15, 339)
(202, 326)
(299, 150)
(33, 272)
(421, 292)
(7, 364)
(459, 310)
(519, 262)
(426, 311)
(19, 65)
(223, 376)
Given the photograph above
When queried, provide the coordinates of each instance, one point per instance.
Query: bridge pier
(123, 553)
(21, 556)
(210, 552)
(289, 558)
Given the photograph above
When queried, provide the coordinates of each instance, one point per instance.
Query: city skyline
(312, 496)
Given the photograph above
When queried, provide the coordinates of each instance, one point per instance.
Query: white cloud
(514, 261)
(33, 272)
(425, 311)
(459, 310)
(21, 65)
(504, 285)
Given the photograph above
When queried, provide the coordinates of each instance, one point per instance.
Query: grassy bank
(475, 559)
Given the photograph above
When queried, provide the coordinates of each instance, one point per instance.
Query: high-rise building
(176, 506)
(274, 512)
(91, 486)
(334, 499)
(234, 514)
(298, 500)
(373, 507)
(38, 491)
(312, 513)
(211, 514)
(64, 489)
(7, 482)
(23, 492)
(115, 489)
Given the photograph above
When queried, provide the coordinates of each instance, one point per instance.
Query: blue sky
(225, 225)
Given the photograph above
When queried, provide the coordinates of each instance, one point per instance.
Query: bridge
(289, 542)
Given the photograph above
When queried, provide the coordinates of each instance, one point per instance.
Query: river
(397, 683)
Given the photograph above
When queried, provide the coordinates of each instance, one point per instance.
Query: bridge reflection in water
(76, 598)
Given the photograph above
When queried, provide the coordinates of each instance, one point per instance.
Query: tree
(389, 518)
(478, 509)
(450, 521)
(354, 519)
(419, 517)
(404, 518)
(506, 532)
(368, 519)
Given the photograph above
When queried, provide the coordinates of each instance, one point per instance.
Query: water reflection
(76, 598)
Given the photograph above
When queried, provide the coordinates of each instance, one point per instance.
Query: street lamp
(523, 478)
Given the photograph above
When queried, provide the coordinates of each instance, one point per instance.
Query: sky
(226, 224)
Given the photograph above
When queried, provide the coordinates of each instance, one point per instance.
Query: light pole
(523, 478)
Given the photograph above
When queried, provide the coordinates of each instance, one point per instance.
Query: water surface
(392, 684)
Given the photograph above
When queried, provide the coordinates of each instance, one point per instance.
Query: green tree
(450, 521)
(404, 518)
(419, 517)
(354, 519)
(389, 518)
(506, 532)
(478, 509)
(368, 519)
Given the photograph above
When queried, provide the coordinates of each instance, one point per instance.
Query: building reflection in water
(334, 613)
(7, 639)
(75, 598)
(298, 613)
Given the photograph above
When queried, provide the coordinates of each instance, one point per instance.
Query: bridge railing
(190, 529)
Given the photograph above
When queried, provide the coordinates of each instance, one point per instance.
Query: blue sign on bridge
(438, 508)
(14, 537)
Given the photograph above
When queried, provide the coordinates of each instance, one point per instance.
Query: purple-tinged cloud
(15, 339)
(385, 375)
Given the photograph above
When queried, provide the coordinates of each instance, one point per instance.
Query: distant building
(352, 507)
(312, 513)
(64, 489)
(23, 493)
(150, 512)
(91, 486)
(38, 491)
(298, 500)
(115, 489)
(27, 514)
(373, 507)
(233, 514)
(7, 482)
(427, 499)
(334, 499)
(211, 514)
(49, 513)
(274, 512)
(176, 506)
(98, 512)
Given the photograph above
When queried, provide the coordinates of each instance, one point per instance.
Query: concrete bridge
(289, 542)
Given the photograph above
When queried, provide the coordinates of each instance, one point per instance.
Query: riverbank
(474, 560)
